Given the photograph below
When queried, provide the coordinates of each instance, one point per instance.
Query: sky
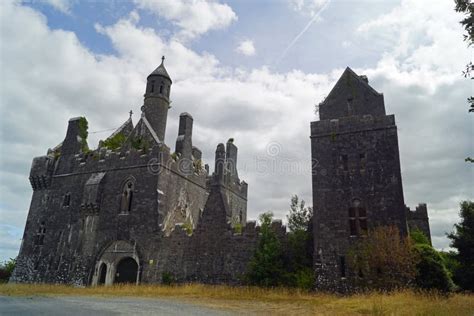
(250, 70)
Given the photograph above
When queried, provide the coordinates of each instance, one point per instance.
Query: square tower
(356, 175)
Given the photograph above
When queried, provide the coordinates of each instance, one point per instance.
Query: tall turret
(157, 102)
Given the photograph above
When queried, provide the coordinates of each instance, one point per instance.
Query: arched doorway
(127, 270)
(102, 273)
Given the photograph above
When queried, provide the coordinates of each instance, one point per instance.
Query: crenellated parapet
(418, 219)
(351, 124)
(41, 172)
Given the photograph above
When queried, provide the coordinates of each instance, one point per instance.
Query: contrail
(316, 15)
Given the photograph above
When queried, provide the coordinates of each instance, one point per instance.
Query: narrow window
(353, 221)
(344, 162)
(39, 238)
(362, 221)
(161, 89)
(363, 161)
(67, 199)
(152, 86)
(342, 266)
(127, 197)
(357, 219)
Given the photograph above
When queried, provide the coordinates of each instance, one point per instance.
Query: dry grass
(272, 301)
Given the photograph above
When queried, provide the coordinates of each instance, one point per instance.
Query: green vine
(188, 227)
(83, 133)
(114, 142)
(140, 143)
(238, 228)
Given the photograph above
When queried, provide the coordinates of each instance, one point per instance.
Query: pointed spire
(161, 70)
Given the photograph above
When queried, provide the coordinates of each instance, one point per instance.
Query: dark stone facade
(356, 177)
(137, 212)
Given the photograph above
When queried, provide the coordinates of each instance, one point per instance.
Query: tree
(300, 244)
(467, 8)
(383, 260)
(266, 268)
(431, 271)
(300, 216)
(6, 269)
(463, 240)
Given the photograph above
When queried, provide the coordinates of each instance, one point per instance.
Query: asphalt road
(79, 305)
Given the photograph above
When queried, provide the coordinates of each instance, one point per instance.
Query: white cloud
(194, 17)
(61, 5)
(256, 107)
(246, 48)
(310, 7)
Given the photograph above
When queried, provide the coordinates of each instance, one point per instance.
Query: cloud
(63, 6)
(246, 48)
(261, 109)
(310, 7)
(194, 17)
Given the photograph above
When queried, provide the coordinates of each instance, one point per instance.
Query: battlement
(420, 212)
(41, 172)
(351, 124)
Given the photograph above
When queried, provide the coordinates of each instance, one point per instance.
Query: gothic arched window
(127, 197)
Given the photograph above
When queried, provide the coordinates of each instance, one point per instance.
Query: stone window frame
(40, 235)
(357, 214)
(129, 180)
(363, 161)
(344, 162)
(152, 86)
(67, 199)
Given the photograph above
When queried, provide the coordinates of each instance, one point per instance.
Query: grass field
(272, 301)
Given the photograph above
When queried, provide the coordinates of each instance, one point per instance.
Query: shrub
(431, 272)
(83, 133)
(168, 278)
(266, 268)
(463, 240)
(418, 237)
(114, 142)
(6, 270)
(383, 260)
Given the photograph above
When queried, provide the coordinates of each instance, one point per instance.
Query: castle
(138, 211)
(357, 183)
(134, 211)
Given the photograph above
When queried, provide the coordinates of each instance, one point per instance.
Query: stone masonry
(357, 183)
(137, 212)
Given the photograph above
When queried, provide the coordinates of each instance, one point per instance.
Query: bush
(383, 260)
(418, 237)
(114, 142)
(266, 268)
(167, 278)
(431, 271)
(463, 240)
(6, 270)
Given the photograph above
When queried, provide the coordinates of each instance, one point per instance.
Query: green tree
(463, 240)
(300, 245)
(418, 237)
(466, 7)
(300, 216)
(6, 270)
(383, 260)
(267, 267)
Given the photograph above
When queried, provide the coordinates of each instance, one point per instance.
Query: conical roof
(161, 70)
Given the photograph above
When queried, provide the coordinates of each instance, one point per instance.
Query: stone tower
(157, 99)
(356, 177)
